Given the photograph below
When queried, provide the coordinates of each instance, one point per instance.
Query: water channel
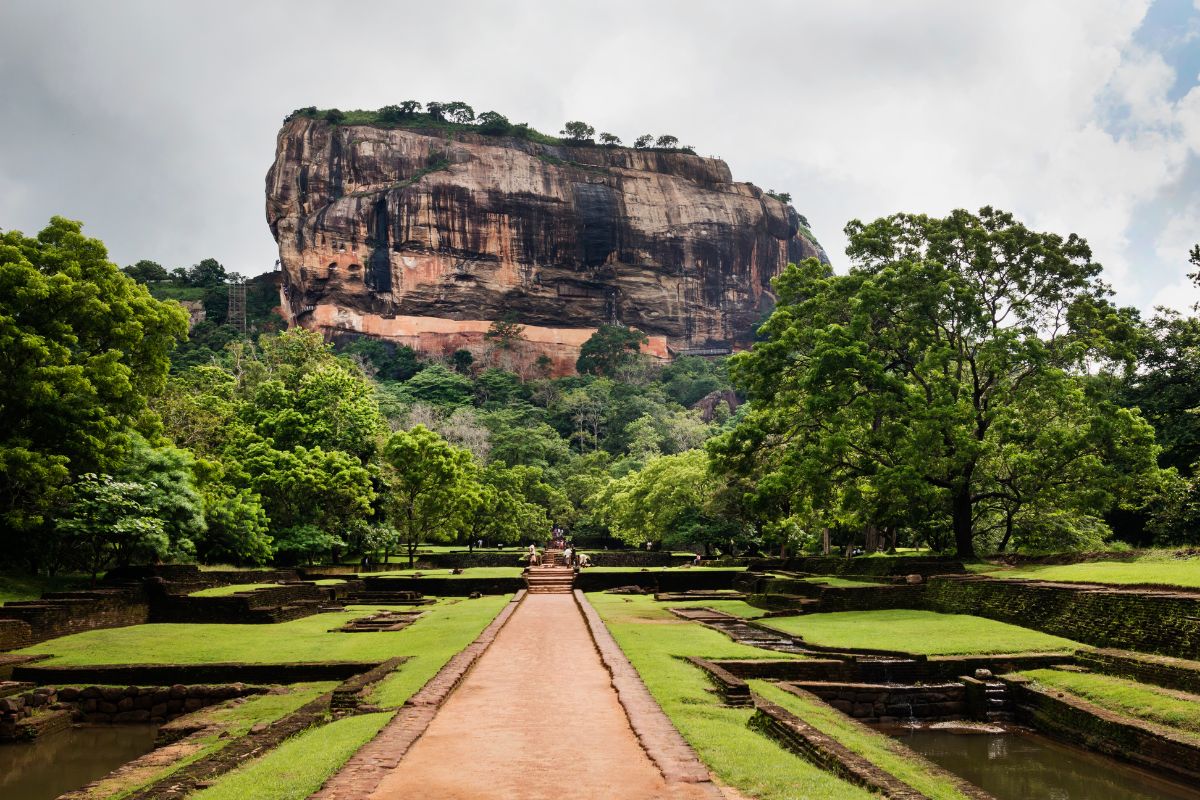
(67, 760)
(1020, 765)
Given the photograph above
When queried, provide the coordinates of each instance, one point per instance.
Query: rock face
(419, 238)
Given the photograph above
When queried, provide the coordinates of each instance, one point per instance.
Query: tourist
(567, 554)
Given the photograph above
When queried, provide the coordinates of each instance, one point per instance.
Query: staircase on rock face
(552, 577)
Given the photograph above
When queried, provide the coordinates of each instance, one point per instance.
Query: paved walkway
(506, 733)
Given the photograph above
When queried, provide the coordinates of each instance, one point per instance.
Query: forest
(967, 385)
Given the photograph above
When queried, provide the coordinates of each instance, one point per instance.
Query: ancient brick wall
(64, 613)
(1172, 673)
(900, 565)
(1153, 622)
(14, 634)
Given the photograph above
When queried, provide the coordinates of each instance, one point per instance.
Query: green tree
(462, 360)
(438, 385)
(459, 112)
(644, 141)
(609, 348)
(207, 273)
(432, 485)
(82, 346)
(388, 360)
(577, 131)
(666, 142)
(492, 123)
(886, 384)
(146, 271)
(610, 139)
(105, 524)
(169, 494)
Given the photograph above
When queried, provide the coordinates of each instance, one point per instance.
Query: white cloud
(156, 122)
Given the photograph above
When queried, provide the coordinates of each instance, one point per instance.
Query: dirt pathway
(507, 733)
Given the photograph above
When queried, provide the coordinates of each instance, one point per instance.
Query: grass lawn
(877, 748)
(1155, 568)
(468, 572)
(225, 591)
(299, 766)
(1178, 710)
(226, 722)
(688, 568)
(832, 580)
(739, 756)
(921, 632)
(30, 587)
(450, 620)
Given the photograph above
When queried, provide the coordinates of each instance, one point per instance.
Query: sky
(154, 122)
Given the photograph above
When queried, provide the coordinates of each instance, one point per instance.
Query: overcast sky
(154, 122)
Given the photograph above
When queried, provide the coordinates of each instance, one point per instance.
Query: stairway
(552, 577)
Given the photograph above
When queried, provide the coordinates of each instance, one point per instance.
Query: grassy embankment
(224, 724)
(468, 572)
(920, 632)
(225, 591)
(653, 639)
(31, 587)
(1177, 710)
(299, 766)
(1157, 567)
(877, 748)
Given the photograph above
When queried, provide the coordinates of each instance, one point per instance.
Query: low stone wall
(936, 668)
(890, 703)
(63, 613)
(443, 587)
(832, 565)
(192, 674)
(1172, 673)
(1081, 723)
(267, 605)
(14, 633)
(1155, 622)
(127, 704)
(734, 690)
(18, 705)
(681, 580)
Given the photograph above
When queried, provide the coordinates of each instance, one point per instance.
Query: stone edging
(656, 733)
(366, 769)
(826, 752)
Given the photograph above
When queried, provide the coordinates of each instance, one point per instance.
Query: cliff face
(411, 236)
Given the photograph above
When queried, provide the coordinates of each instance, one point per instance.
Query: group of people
(559, 541)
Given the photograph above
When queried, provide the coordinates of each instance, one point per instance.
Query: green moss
(881, 750)
(738, 755)
(922, 632)
(299, 766)
(1178, 710)
(225, 591)
(307, 639)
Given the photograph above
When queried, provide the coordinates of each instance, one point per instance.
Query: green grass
(225, 591)
(30, 587)
(1153, 569)
(739, 756)
(832, 580)
(665, 569)
(1178, 710)
(468, 572)
(922, 632)
(330, 582)
(299, 766)
(877, 748)
(225, 722)
(306, 639)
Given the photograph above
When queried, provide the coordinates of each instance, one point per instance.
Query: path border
(361, 775)
(658, 736)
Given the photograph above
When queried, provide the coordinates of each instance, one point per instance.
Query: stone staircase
(552, 577)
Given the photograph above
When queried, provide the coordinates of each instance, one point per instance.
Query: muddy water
(67, 760)
(1022, 766)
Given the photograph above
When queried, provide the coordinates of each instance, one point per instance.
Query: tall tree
(431, 488)
(609, 348)
(82, 346)
(888, 383)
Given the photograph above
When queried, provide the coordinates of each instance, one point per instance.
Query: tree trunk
(826, 547)
(964, 527)
(1008, 528)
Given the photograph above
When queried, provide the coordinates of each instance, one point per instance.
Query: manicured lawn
(687, 568)
(225, 591)
(877, 748)
(1177, 710)
(451, 621)
(30, 587)
(226, 723)
(468, 572)
(1156, 569)
(833, 580)
(299, 766)
(919, 632)
(739, 756)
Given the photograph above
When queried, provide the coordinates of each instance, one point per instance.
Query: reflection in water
(65, 761)
(1023, 766)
